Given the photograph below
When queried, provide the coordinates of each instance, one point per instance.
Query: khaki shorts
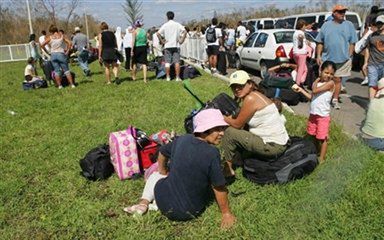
(343, 69)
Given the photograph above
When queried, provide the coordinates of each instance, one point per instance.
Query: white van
(261, 23)
(318, 17)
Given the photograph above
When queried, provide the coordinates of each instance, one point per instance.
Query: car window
(354, 20)
(308, 19)
(250, 40)
(268, 24)
(291, 22)
(321, 20)
(261, 40)
(309, 37)
(280, 23)
(284, 37)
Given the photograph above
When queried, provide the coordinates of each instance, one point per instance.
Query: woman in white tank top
(266, 135)
(60, 47)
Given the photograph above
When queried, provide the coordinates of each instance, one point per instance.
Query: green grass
(44, 197)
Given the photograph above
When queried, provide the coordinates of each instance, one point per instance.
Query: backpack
(96, 165)
(210, 35)
(298, 160)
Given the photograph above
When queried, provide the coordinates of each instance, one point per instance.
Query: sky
(111, 11)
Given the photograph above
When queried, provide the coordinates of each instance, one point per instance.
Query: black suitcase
(312, 74)
(288, 96)
(298, 160)
(64, 80)
(222, 63)
(48, 69)
(227, 105)
(231, 55)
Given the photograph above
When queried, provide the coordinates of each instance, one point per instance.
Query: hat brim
(210, 125)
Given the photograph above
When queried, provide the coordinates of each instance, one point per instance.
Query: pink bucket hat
(208, 119)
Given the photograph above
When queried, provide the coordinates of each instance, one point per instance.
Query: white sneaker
(73, 86)
(60, 87)
(364, 82)
(335, 104)
(178, 80)
(168, 79)
(343, 89)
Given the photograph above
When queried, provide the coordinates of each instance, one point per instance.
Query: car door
(257, 51)
(246, 56)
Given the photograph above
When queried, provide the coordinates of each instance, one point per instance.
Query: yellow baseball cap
(239, 77)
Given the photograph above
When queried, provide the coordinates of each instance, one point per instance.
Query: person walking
(80, 46)
(139, 50)
(213, 35)
(127, 44)
(171, 34)
(107, 52)
(335, 42)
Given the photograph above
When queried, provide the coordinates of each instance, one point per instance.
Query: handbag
(119, 56)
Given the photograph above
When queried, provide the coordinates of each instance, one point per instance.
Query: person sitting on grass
(373, 130)
(30, 73)
(183, 191)
(320, 109)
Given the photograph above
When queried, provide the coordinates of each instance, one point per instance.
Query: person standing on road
(335, 42)
(213, 35)
(172, 34)
(80, 44)
(300, 51)
(374, 56)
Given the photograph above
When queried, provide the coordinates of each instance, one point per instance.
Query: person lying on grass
(320, 109)
(183, 191)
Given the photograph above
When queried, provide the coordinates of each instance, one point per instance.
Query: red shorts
(318, 126)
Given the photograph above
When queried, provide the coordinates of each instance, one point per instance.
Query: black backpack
(96, 165)
(298, 160)
(210, 35)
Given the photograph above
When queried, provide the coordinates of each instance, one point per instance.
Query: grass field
(43, 195)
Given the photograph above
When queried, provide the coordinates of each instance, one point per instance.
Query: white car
(264, 48)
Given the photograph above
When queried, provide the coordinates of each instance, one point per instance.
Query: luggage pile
(130, 153)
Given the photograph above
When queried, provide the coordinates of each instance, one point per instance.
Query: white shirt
(218, 35)
(42, 40)
(242, 31)
(171, 32)
(269, 125)
(127, 40)
(231, 33)
(29, 70)
(321, 103)
(296, 49)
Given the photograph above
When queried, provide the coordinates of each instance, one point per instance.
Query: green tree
(133, 10)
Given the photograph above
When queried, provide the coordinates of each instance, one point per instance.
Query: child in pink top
(319, 118)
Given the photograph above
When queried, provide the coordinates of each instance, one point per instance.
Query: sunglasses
(340, 11)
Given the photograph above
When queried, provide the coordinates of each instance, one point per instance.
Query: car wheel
(263, 69)
(238, 63)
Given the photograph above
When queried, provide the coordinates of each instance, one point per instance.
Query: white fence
(194, 48)
(16, 52)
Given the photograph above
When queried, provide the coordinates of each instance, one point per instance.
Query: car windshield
(284, 37)
(353, 19)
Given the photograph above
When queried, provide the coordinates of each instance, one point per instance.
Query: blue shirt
(336, 38)
(194, 169)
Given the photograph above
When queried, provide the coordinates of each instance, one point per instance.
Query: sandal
(136, 209)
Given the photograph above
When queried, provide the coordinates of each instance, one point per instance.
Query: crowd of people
(190, 170)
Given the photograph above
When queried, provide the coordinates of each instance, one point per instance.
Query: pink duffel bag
(124, 155)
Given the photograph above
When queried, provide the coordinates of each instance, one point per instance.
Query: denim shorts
(375, 143)
(375, 73)
(60, 63)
